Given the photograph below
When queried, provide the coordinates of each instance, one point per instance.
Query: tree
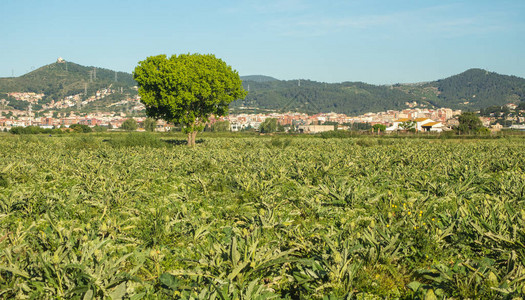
(220, 126)
(98, 128)
(268, 126)
(187, 89)
(469, 122)
(408, 125)
(379, 127)
(81, 128)
(150, 124)
(129, 125)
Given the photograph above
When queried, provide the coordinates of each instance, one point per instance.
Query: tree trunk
(190, 135)
(194, 134)
(191, 138)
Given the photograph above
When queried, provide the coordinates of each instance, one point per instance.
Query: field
(120, 216)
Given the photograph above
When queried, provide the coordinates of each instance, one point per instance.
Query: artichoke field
(99, 217)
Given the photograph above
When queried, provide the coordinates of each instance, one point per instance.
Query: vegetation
(312, 97)
(33, 130)
(480, 89)
(472, 89)
(58, 80)
(269, 125)
(129, 125)
(150, 124)
(379, 127)
(107, 215)
(81, 128)
(187, 89)
(469, 122)
(220, 126)
(408, 125)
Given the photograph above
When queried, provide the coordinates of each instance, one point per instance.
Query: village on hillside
(420, 119)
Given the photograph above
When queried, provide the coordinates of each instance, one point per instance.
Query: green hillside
(312, 97)
(480, 89)
(471, 90)
(58, 80)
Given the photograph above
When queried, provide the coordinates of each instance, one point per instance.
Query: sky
(373, 41)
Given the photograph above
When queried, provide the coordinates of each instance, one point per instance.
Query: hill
(471, 90)
(313, 97)
(477, 88)
(258, 78)
(58, 80)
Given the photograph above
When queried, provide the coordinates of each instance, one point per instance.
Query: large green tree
(187, 89)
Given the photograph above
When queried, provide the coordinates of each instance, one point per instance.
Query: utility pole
(79, 102)
(115, 76)
(95, 73)
(29, 112)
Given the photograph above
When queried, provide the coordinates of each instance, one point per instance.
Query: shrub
(150, 124)
(81, 128)
(129, 125)
(100, 128)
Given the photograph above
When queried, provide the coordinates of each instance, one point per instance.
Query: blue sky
(379, 42)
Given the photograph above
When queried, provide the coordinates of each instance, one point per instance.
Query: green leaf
(169, 280)
(119, 292)
(88, 295)
(414, 285)
(15, 271)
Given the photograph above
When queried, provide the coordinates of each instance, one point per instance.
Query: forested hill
(58, 80)
(477, 88)
(471, 90)
(313, 97)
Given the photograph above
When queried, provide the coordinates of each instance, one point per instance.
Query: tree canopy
(220, 126)
(268, 126)
(129, 125)
(469, 122)
(150, 124)
(187, 89)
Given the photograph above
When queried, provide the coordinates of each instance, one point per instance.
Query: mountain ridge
(472, 89)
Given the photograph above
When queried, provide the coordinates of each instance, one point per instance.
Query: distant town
(114, 114)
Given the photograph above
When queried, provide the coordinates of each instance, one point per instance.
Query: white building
(433, 127)
(419, 124)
